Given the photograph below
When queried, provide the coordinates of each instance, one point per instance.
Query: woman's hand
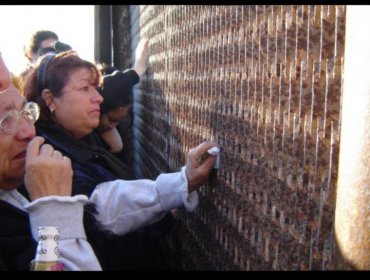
(197, 170)
(141, 57)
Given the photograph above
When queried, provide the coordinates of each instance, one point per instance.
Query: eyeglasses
(56, 48)
(10, 121)
(44, 51)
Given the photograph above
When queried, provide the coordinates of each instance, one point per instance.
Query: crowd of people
(56, 170)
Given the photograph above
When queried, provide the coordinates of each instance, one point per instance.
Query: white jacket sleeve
(67, 214)
(124, 206)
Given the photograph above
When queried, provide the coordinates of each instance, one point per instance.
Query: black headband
(41, 73)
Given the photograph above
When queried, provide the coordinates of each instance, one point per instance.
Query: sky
(74, 25)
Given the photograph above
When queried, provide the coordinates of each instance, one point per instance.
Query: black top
(17, 247)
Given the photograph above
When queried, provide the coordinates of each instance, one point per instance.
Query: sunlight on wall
(74, 25)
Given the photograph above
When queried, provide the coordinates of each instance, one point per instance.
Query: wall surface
(265, 82)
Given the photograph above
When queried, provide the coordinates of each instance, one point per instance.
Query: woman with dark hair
(64, 86)
(117, 86)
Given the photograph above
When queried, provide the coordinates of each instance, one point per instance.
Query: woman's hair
(53, 72)
(35, 42)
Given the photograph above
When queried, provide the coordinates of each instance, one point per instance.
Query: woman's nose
(98, 97)
(5, 79)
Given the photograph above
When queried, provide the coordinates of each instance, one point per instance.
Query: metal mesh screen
(265, 83)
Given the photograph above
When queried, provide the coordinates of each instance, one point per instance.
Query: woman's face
(13, 146)
(78, 107)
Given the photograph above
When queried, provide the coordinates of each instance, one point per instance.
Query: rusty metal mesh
(265, 83)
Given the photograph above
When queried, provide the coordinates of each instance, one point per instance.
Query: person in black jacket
(117, 91)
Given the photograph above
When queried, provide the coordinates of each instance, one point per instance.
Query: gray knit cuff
(60, 211)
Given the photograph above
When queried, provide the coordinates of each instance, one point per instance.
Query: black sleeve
(132, 77)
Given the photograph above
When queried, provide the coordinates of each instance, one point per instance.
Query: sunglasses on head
(56, 48)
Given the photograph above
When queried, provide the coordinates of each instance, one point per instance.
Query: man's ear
(48, 97)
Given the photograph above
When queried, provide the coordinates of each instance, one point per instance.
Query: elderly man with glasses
(47, 175)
